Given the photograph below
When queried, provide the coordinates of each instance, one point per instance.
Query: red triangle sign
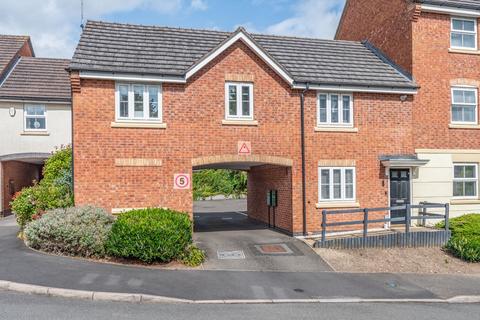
(244, 148)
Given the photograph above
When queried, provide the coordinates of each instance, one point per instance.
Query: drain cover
(281, 248)
(230, 255)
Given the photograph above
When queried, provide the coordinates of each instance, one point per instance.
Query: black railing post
(324, 225)
(365, 223)
(408, 218)
(447, 216)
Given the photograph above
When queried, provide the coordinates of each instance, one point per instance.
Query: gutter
(302, 133)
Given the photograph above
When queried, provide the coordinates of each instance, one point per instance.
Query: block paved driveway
(235, 242)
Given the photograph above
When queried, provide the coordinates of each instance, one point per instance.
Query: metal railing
(423, 215)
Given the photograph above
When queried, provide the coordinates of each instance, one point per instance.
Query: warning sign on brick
(244, 148)
(181, 181)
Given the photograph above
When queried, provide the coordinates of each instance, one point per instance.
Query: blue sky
(54, 24)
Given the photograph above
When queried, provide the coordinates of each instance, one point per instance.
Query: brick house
(437, 42)
(35, 114)
(151, 103)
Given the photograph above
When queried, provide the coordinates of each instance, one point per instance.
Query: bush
(192, 256)
(150, 235)
(53, 191)
(73, 231)
(24, 206)
(466, 247)
(465, 240)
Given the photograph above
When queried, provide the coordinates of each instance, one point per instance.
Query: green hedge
(150, 235)
(465, 240)
(212, 182)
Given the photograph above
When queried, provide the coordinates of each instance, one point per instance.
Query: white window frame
(239, 115)
(475, 33)
(343, 198)
(25, 116)
(452, 102)
(466, 180)
(340, 122)
(131, 106)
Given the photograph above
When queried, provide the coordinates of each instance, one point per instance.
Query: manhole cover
(230, 255)
(280, 248)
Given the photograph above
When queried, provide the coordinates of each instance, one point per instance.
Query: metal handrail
(407, 219)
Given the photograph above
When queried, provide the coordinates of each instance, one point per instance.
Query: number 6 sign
(181, 181)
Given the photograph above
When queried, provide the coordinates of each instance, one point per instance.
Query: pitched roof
(39, 79)
(9, 47)
(462, 4)
(162, 51)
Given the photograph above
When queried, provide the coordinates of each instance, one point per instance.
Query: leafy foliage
(72, 231)
(212, 182)
(465, 240)
(53, 191)
(192, 256)
(150, 235)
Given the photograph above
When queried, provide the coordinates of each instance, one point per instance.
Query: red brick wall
(386, 24)
(193, 114)
(261, 179)
(22, 174)
(434, 68)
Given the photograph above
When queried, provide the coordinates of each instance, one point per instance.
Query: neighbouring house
(437, 42)
(150, 104)
(35, 114)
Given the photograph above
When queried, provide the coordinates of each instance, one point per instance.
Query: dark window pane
(334, 108)
(322, 108)
(232, 100)
(245, 101)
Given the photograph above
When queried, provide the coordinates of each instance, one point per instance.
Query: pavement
(19, 264)
(22, 306)
(232, 241)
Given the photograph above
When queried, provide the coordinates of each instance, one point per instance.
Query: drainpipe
(302, 128)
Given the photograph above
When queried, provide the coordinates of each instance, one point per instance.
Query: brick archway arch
(229, 158)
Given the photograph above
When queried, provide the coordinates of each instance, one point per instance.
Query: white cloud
(312, 18)
(199, 5)
(54, 25)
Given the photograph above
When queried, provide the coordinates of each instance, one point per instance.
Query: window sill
(336, 129)
(240, 122)
(341, 204)
(463, 126)
(139, 124)
(465, 201)
(464, 51)
(34, 133)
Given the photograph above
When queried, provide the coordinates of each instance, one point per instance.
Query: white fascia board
(241, 36)
(128, 77)
(19, 100)
(450, 10)
(358, 89)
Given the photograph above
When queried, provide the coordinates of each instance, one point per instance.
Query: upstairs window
(337, 184)
(464, 105)
(138, 102)
(334, 109)
(238, 101)
(35, 117)
(463, 34)
(465, 180)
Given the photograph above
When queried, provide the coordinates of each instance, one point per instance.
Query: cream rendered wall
(13, 138)
(434, 181)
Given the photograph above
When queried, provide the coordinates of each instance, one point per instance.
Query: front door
(399, 191)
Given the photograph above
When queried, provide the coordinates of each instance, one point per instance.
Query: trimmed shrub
(466, 247)
(150, 235)
(72, 231)
(465, 240)
(53, 191)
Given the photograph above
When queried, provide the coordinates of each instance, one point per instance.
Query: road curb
(146, 298)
